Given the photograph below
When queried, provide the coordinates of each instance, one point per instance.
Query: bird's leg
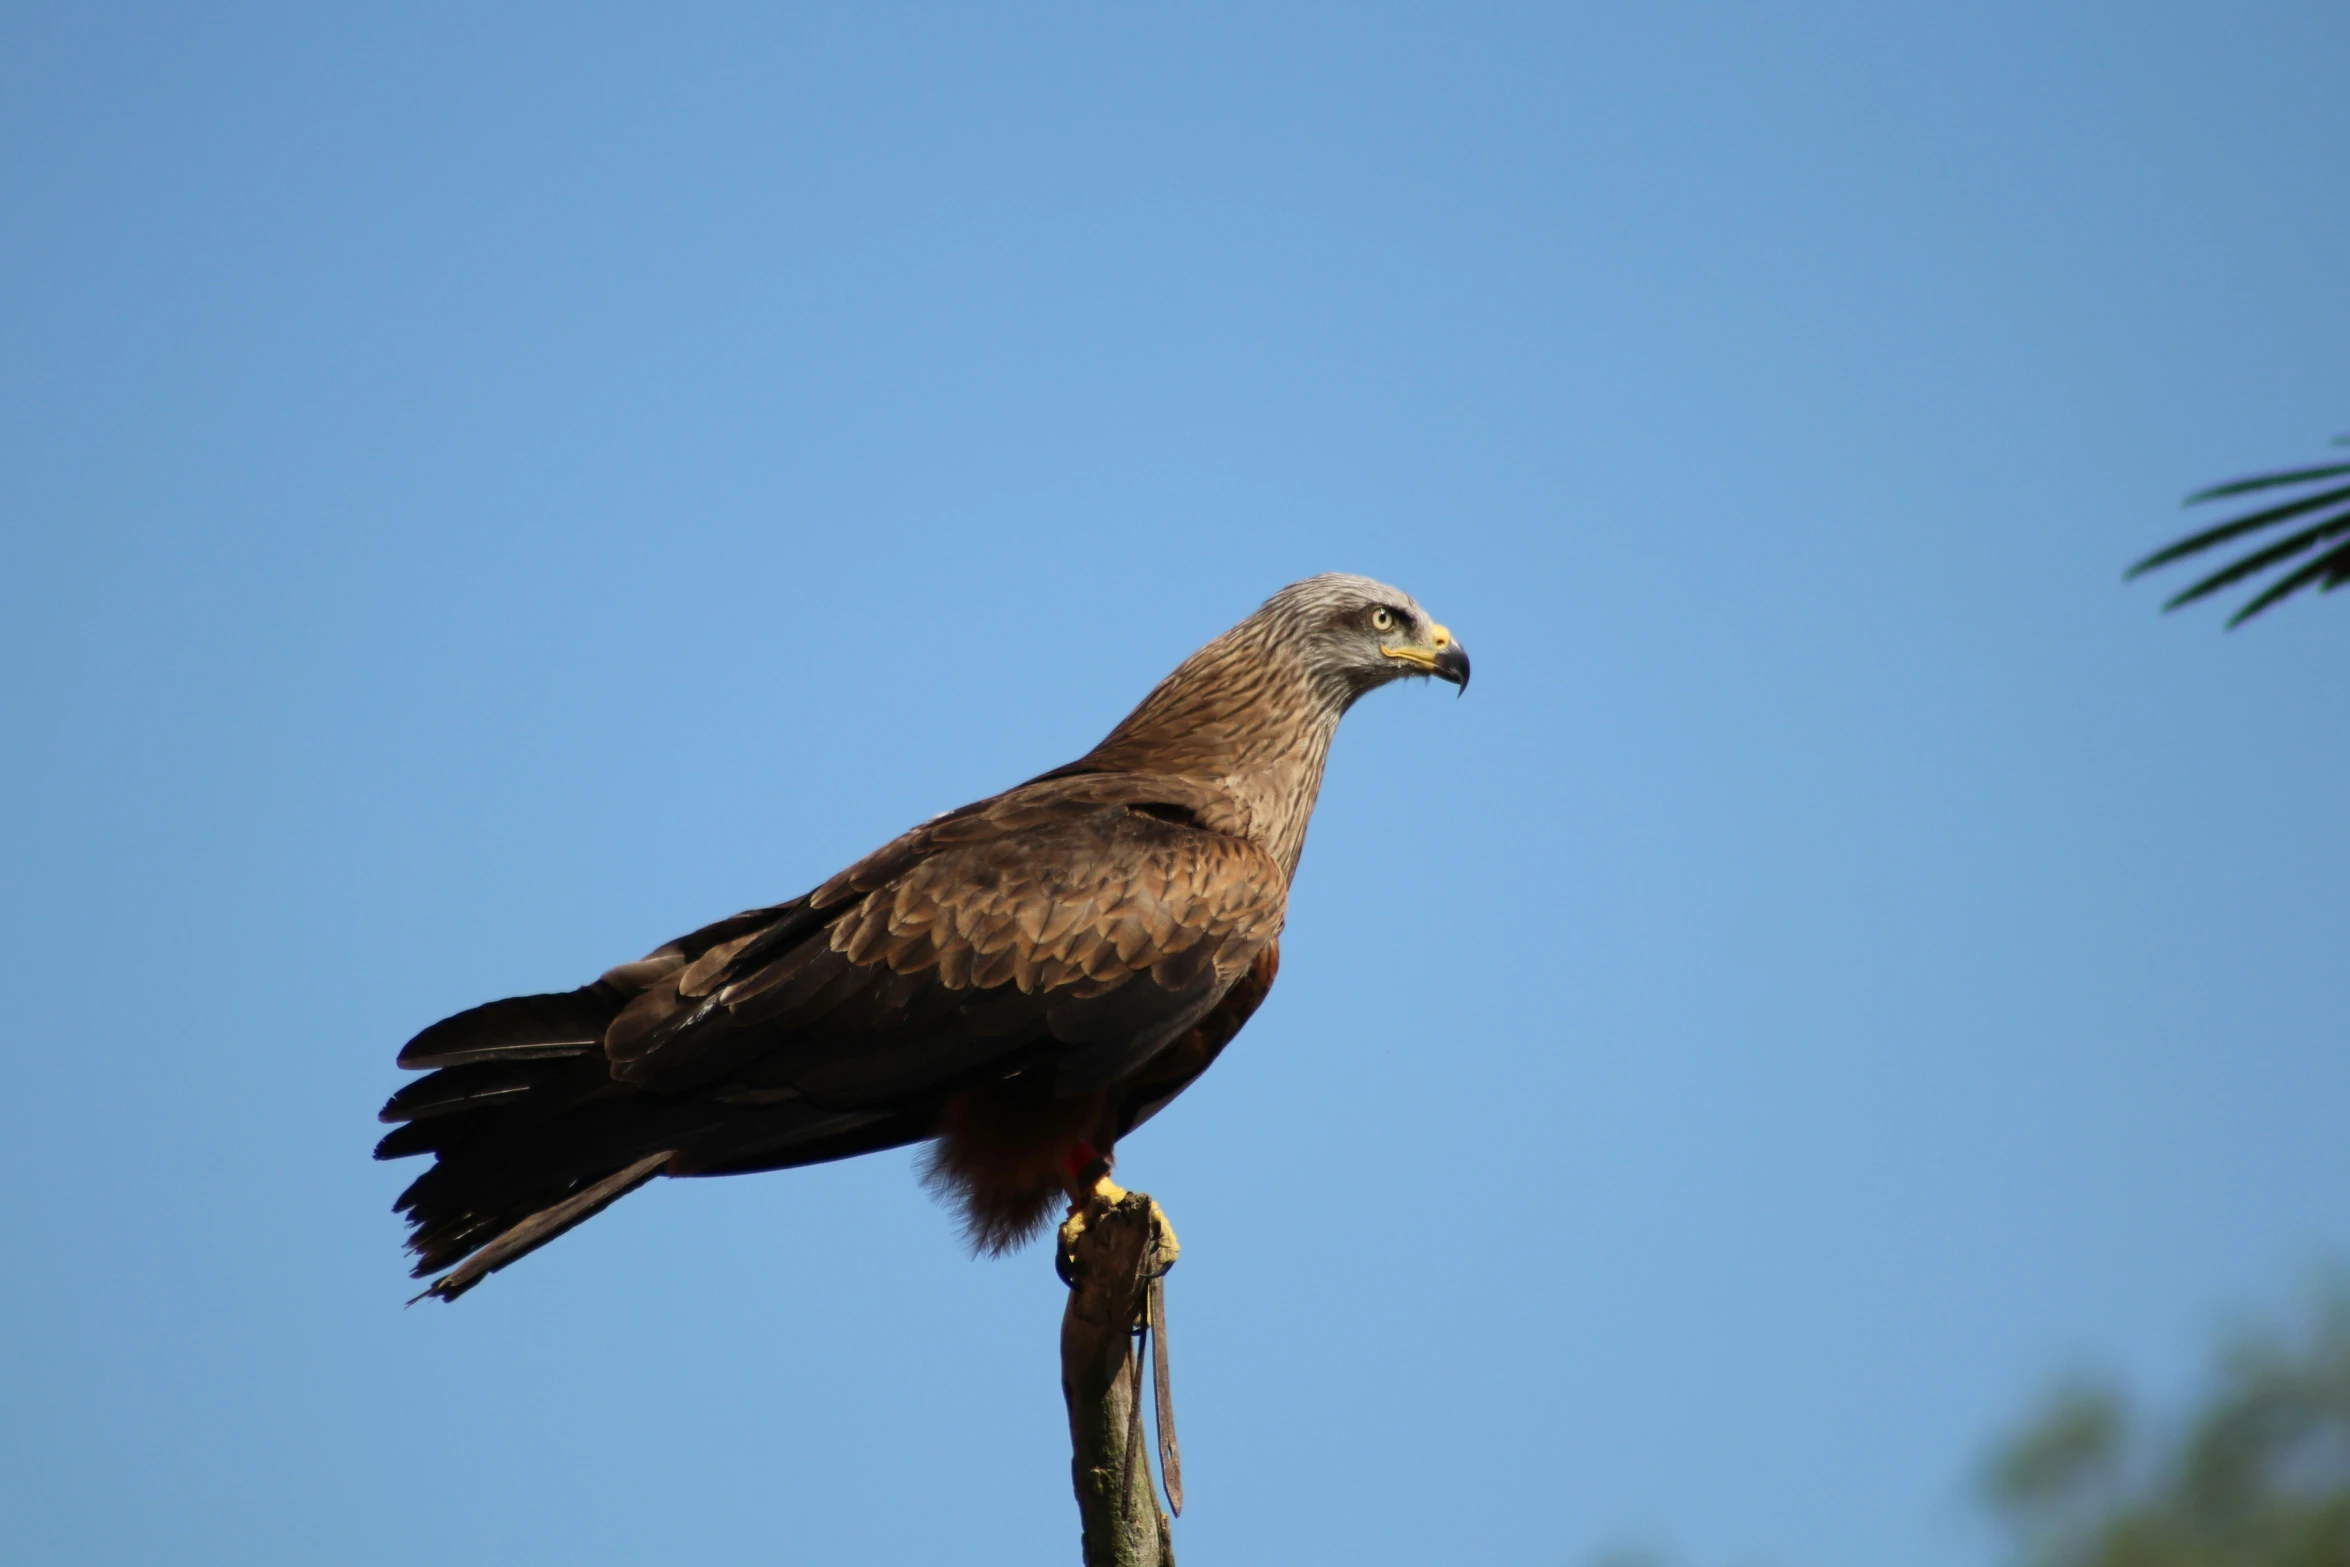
(1086, 1173)
(1085, 1170)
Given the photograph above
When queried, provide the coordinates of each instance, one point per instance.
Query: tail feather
(543, 1226)
(525, 1147)
(564, 1023)
(458, 1089)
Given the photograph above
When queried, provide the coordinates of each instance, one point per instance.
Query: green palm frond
(2328, 503)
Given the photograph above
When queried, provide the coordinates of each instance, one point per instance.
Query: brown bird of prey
(1022, 981)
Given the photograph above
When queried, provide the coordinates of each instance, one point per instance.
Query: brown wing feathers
(1054, 927)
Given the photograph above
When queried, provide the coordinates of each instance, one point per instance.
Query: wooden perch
(1114, 1256)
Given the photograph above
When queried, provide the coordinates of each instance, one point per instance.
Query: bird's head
(1358, 635)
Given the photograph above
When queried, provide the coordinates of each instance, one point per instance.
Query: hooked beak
(1442, 656)
(1452, 663)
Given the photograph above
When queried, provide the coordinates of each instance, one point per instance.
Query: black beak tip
(1453, 664)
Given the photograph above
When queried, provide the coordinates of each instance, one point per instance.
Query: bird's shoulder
(1071, 886)
(1066, 812)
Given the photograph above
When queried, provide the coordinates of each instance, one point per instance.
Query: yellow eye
(1381, 620)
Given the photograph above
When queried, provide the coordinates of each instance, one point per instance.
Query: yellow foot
(1106, 1194)
(1169, 1248)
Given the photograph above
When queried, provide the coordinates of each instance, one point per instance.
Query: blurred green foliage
(2314, 515)
(2258, 1476)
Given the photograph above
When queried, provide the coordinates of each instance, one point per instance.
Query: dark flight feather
(1074, 935)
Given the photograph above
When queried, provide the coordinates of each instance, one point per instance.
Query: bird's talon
(1169, 1248)
(1065, 1249)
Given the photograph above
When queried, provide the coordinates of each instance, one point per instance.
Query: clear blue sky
(486, 490)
